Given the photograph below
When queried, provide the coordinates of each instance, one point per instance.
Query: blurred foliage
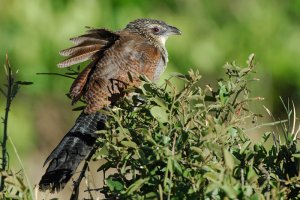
(190, 143)
(15, 186)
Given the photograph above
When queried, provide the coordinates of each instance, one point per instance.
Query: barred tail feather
(72, 149)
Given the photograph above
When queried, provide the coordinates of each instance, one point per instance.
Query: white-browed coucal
(117, 60)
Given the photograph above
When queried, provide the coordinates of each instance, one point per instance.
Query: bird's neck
(159, 42)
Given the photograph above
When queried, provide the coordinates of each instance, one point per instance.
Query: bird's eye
(156, 29)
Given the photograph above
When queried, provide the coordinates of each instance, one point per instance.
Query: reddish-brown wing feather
(77, 59)
(88, 46)
(78, 85)
(78, 50)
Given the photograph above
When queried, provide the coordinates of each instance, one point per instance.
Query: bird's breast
(161, 66)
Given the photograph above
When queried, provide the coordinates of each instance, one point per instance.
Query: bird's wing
(89, 46)
(131, 54)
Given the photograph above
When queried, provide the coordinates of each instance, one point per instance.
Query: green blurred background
(214, 32)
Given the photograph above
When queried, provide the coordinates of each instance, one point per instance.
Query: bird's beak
(173, 31)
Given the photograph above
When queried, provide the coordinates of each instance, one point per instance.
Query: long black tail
(73, 148)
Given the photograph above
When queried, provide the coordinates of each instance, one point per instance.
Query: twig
(173, 146)
(5, 120)
(268, 178)
(233, 102)
(76, 183)
(57, 74)
(89, 190)
(267, 124)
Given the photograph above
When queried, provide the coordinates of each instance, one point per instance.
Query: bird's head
(156, 29)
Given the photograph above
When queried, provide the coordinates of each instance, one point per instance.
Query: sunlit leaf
(159, 114)
(129, 144)
(135, 186)
(229, 160)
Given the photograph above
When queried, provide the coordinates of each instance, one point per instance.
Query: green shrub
(167, 142)
(190, 143)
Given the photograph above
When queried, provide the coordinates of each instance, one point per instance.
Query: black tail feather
(72, 149)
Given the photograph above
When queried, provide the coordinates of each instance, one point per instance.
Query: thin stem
(5, 123)
(57, 74)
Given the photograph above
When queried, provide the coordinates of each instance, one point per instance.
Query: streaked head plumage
(152, 27)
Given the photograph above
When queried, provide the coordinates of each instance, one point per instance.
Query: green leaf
(256, 197)
(168, 169)
(266, 136)
(245, 146)
(248, 190)
(212, 176)
(233, 132)
(187, 173)
(114, 185)
(159, 114)
(166, 139)
(229, 160)
(179, 75)
(105, 166)
(251, 175)
(212, 187)
(197, 150)
(159, 102)
(103, 151)
(136, 185)
(231, 193)
(296, 155)
(79, 108)
(151, 195)
(223, 94)
(129, 144)
(177, 167)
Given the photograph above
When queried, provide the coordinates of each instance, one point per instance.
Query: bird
(116, 62)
